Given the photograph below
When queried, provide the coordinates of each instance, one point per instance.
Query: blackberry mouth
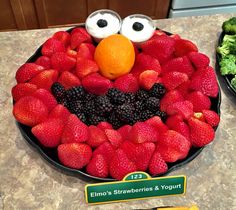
(115, 107)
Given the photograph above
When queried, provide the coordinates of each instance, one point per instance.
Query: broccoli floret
(229, 26)
(223, 50)
(233, 82)
(229, 39)
(228, 65)
(228, 46)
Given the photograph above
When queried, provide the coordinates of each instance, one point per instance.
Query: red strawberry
(124, 131)
(144, 154)
(184, 88)
(30, 111)
(46, 97)
(172, 80)
(175, 36)
(49, 132)
(60, 112)
(86, 50)
(71, 53)
(180, 64)
(143, 132)
(201, 133)
(85, 67)
(120, 165)
(78, 36)
(45, 79)
(211, 117)
(161, 48)
(199, 60)
(44, 61)
(127, 83)
(114, 137)
(173, 146)
(147, 79)
(105, 149)
(27, 71)
(183, 108)
(74, 155)
(62, 62)
(158, 33)
(157, 123)
(172, 120)
(74, 131)
(104, 125)
(205, 81)
(130, 149)
(199, 101)
(96, 84)
(69, 80)
(183, 47)
(199, 116)
(98, 166)
(96, 136)
(62, 36)
(52, 46)
(22, 89)
(180, 127)
(170, 98)
(157, 165)
(145, 62)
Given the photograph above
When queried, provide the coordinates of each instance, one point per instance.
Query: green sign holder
(135, 186)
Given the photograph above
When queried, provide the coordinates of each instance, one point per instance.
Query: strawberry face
(142, 120)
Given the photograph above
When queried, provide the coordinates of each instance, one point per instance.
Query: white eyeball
(103, 23)
(137, 28)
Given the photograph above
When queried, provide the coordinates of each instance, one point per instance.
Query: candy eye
(138, 28)
(103, 23)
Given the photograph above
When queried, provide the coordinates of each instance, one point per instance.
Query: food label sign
(137, 185)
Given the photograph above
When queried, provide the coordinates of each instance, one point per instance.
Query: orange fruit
(115, 56)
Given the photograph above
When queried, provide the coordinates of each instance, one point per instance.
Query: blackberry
(139, 106)
(116, 122)
(95, 119)
(145, 115)
(82, 117)
(135, 118)
(58, 91)
(141, 95)
(130, 98)
(152, 103)
(161, 114)
(158, 90)
(125, 112)
(75, 93)
(103, 105)
(74, 106)
(116, 96)
(89, 97)
(89, 107)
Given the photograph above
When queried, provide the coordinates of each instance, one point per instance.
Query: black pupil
(102, 23)
(138, 26)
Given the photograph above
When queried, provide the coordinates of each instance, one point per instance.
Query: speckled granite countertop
(27, 182)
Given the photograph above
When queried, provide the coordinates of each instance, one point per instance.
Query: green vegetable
(233, 82)
(228, 65)
(228, 46)
(229, 26)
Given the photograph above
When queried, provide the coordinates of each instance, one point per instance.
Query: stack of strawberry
(101, 150)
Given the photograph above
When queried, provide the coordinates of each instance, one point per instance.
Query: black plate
(50, 155)
(229, 77)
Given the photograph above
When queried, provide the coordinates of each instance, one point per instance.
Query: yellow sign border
(138, 180)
